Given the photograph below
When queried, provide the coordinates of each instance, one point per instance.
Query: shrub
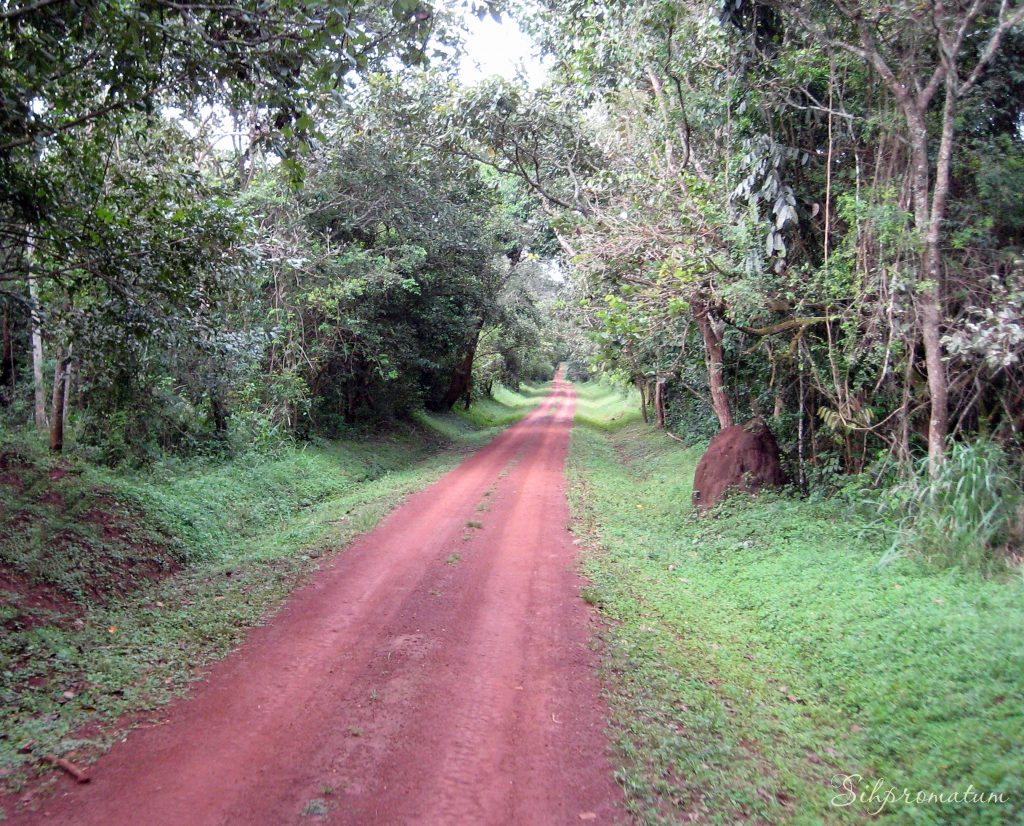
(968, 515)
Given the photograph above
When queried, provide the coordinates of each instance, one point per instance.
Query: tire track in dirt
(437, 672)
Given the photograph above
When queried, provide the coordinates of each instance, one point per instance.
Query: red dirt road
(434, 673)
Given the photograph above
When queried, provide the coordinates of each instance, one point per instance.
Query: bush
(969, 515)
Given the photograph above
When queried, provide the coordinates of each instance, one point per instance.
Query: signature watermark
(877, 796)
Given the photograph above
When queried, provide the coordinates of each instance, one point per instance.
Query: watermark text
(877, 796)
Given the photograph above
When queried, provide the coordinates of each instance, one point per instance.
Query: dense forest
(323, 264)
(230, 222)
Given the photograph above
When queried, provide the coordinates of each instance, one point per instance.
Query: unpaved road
(439, 671)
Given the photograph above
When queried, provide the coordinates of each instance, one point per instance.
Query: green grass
(602, 406)
(755, 654)
(504, 406)
(243, 535)
(486, 417)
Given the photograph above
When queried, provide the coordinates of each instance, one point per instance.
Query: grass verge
(79, 663)
(486, 417)
(757, 655)
(603, 406)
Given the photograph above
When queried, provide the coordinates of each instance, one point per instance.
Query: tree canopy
(801, 211)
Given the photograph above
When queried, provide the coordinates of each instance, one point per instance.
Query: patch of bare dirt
(35, 603)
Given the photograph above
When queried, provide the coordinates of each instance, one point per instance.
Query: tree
(758, 178)
(131, 253)
(919, 53)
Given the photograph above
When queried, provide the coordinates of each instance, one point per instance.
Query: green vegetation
(266, 267)
(756, 653)
(603, 406)
(487, 415)
(182, 299)
(740, 209)
(176, 564)
(198, 510)
(788, 209)
(967, 515)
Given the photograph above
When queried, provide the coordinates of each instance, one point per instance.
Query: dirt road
(437, 672)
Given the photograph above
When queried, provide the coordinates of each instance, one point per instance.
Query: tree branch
(994, 42)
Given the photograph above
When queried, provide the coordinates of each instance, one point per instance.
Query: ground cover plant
(89, 636)
(755, 655)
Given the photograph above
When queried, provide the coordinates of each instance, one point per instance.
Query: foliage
(208, 314)
(750, 222)
(970, 515)
(71, 65)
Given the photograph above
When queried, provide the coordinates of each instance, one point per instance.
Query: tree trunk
(57, 403)
(461, 383)
(641, 385)
(933, 311)
(659, 402)
(67, 389)
(6, 356)
(938, 385)
(928, 218)
(37, 352)
(714, 355)
(218, 414)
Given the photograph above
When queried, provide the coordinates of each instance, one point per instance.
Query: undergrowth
(758, 655)
(969, 515)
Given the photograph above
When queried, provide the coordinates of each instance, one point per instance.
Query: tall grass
(968, 515)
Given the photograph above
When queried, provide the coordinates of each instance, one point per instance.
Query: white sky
(491, 48)
(501, 49)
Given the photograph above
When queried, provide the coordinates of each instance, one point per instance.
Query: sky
(491, 48)
(494, 48)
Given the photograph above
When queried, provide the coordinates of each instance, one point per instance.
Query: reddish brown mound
(744, 457)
